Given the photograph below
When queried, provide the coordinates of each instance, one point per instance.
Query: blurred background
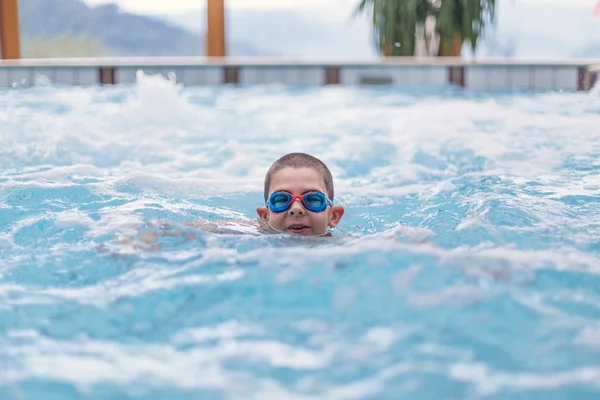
(314, 29)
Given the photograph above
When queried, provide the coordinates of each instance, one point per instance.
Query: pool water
(466, 265)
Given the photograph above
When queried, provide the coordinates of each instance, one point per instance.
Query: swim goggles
(313, 201)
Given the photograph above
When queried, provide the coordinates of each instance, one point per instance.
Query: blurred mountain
(70, 28)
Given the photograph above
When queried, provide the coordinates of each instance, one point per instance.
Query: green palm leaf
(457, 21)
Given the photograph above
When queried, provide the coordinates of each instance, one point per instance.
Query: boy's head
(312, 211)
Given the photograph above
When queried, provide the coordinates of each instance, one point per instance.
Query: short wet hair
(301, 160)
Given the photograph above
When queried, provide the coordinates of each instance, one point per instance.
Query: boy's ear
(263, 213)
(336, 215)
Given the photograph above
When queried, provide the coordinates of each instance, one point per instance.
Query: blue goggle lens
(279, 200)
(314, 201)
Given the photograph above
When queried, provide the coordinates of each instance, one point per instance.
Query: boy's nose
(297, 208)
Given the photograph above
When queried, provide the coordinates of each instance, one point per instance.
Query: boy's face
(297, 220)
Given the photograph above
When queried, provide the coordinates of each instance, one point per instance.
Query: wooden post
(215, 35)
(10, 47)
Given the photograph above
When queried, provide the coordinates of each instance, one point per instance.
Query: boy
(298, 196)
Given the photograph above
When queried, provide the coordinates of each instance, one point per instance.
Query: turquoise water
(466, 266)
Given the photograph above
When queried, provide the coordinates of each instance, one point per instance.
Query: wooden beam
(215, 35)
(10, 47)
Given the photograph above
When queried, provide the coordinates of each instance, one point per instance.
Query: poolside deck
(488, 74)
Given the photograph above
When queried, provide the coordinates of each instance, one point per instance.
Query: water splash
(159, 99)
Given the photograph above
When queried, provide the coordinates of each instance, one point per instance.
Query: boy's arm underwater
(149, 235)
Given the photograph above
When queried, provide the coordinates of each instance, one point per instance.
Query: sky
(178, 6)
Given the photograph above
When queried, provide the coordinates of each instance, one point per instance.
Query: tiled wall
(290, 75)
(472, 77)
(27, 76)
(521, 77)
(395, 75)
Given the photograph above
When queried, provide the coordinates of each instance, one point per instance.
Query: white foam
(135, 284)
(489, 382)
(63, 174)
(589, 337)
(158, 130)
(86, 362)
(227, 330)
(71, 218)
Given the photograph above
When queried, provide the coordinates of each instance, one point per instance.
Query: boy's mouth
(298, 228)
